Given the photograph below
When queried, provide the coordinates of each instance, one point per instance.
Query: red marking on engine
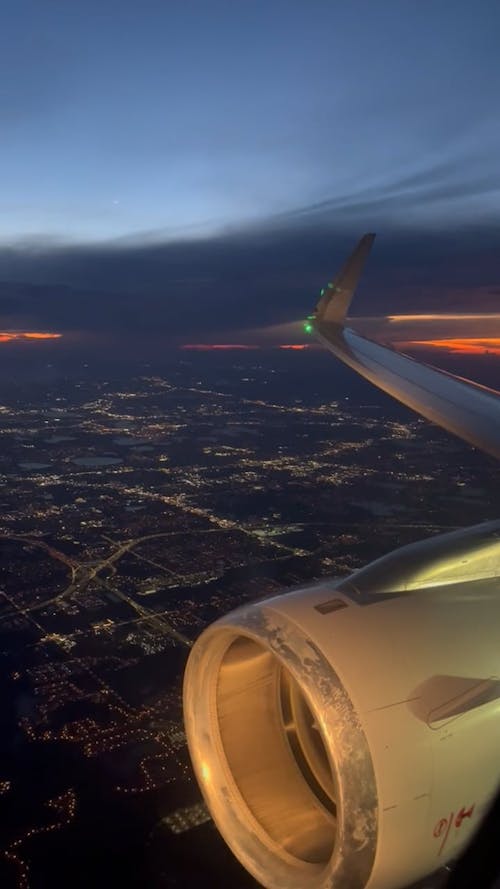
(464, 813)
(440, 826)
(443, 826)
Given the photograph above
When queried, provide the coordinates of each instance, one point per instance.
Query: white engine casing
(346, 735)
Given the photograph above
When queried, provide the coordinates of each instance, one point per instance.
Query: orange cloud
(20, 335)
(213, 347)
(445, 316)
(42, 336)
(463, 346)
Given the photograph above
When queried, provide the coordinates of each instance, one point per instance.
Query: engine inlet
(279, 754)
(274, 751)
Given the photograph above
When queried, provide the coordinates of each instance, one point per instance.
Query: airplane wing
(468, 410)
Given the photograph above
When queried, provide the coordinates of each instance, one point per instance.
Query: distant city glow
(463, 346)
(9, 336)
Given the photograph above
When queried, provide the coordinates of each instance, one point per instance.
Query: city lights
(214, 497)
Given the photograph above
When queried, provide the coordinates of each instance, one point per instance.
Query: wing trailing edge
(470, 411)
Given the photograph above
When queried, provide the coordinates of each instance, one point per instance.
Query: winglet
(336, 299)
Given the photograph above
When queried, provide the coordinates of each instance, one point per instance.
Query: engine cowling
(347, 734)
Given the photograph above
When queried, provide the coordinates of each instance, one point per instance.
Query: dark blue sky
(229, 152)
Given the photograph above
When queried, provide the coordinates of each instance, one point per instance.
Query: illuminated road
(82, 575)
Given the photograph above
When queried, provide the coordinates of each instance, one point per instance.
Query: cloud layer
(241, 280)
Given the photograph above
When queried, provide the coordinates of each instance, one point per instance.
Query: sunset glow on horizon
(225, 347)
(214, 347)
(20, 336)
(462, 346)
(446, 316)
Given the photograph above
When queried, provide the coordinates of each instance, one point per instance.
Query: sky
(192, 169)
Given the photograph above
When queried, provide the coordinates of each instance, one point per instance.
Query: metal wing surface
(468, 410)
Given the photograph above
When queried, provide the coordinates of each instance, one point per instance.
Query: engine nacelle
(347, 734)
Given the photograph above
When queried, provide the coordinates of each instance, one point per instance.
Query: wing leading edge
(470, 411)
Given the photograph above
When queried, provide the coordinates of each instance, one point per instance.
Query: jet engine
(347, 734)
